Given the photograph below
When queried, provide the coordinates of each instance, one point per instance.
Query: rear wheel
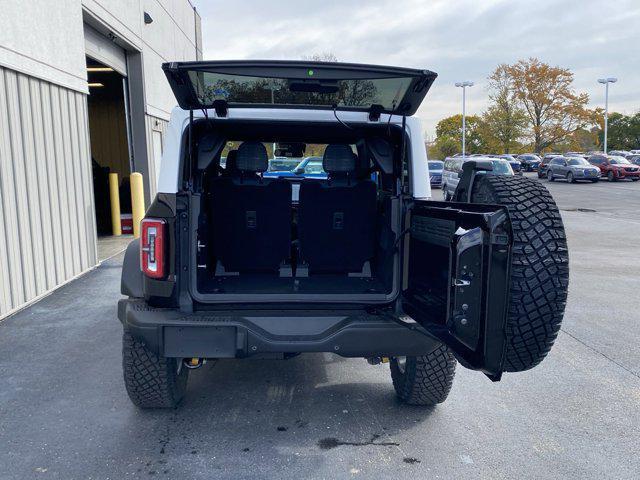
(539, 266)
(550, 176)
(152, 381)
(570, 178)
(424, 380)
(611, 177)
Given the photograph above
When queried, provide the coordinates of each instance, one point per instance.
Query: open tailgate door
(457, 278)
(298, 84)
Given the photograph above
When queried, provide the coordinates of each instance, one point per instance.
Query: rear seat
(252, 217)
(336, 219)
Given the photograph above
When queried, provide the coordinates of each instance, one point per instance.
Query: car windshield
(283, 164)
(311, 165)
(619, 161)
(577, 161)
(501, 167)
(529, 157)
(435, 165)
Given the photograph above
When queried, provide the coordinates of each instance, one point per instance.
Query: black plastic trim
(347, 333)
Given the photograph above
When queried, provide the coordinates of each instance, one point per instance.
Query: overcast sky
(458, 39)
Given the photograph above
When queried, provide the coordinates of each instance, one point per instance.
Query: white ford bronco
(247, 253)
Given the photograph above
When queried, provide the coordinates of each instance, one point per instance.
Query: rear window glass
(239, 89)
(435, 165)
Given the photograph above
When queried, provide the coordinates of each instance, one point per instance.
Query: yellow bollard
(114, 193)
(137, 202)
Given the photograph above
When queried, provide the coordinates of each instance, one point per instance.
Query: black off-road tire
(152, 381)
(539, 267)
(425, 380)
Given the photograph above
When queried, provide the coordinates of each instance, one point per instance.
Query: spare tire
(539, 267)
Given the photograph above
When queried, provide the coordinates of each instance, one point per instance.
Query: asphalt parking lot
(64, 413)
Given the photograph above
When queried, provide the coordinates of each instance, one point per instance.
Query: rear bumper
(238, 334)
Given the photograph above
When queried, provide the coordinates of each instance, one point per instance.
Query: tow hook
(193, 363)
(377, 360)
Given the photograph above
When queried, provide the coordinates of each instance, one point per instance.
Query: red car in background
(615, 167)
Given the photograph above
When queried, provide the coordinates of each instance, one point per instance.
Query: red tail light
(152, 247)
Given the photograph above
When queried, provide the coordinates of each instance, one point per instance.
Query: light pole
(464, 86)
(606, 82)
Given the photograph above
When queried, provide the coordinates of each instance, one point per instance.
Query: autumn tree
(449, 135)
(545, 93)
(504, 123)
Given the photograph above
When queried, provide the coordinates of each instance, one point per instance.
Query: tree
(545, 93)
(449, 135)
(624, 132)
(504, 122)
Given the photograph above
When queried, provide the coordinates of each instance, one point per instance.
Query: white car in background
(453, 170)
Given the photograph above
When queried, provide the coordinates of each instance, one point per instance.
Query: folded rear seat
(252, 217)
(336, 218)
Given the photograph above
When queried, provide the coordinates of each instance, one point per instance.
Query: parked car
(435, 172)
(453, 170)
(282, 164)
(572, 169)
(619, 153)
(530, 162)
(231, 266)
(634, 152)
(542, 168)
(634, 158)
(516, 166)
(615, 167)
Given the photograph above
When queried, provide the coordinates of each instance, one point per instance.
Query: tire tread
(540, 266)
(427, 379)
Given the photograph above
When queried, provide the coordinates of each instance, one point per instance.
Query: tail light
(152, 247)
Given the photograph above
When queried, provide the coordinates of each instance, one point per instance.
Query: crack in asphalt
(625, 368)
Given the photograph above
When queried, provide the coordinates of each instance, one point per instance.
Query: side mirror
(298, 170)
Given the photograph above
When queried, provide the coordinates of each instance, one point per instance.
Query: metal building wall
(156, 129)
(47, 219)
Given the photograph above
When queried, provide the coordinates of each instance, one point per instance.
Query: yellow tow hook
(193, 363)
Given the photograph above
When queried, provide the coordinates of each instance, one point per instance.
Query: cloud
(461, 40)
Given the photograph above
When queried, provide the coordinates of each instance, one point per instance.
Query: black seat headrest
(231, 163)
(338, 158)
(252, 157)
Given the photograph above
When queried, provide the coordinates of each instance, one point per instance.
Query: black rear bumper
(239, 333)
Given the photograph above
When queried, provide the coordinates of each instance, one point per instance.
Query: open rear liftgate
(458, 274)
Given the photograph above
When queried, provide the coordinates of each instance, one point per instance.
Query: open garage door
(101, 49)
